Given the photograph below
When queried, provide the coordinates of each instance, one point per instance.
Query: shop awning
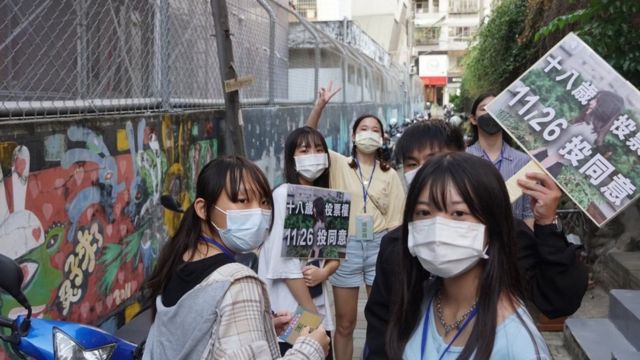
(434, 80)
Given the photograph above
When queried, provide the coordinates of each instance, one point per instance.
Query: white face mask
(246, 230)
(446, 248)
(409, 175)
(368, 141)
(311, 166)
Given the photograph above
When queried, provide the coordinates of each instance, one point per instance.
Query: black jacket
(554, 280)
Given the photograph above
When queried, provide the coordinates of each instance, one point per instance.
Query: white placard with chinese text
(316, 225)
(576, 116)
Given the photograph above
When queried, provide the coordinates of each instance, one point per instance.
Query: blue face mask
(246, 230)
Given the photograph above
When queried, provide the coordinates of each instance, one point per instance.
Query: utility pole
(233, 128)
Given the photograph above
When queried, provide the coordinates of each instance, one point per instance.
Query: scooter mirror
(11, 280)
(169, 203)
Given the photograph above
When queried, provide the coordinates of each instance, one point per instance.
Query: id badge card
(364, 227)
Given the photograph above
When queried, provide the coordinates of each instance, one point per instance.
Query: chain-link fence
(81, 57)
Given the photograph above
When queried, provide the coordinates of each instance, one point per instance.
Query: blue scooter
(55, 340)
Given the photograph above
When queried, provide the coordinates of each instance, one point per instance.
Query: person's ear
(472, 118)
(201, 208)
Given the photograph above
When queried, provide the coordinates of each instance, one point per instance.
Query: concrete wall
(79, 200)
(79, 207)
(267, 128)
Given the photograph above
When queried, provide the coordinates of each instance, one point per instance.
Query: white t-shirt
(273, 269)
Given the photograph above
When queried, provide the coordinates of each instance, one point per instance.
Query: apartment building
(442, 32)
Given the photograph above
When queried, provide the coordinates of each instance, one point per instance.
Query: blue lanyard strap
(498, 162)
(222, 248)
(365, 191)
(425, 330)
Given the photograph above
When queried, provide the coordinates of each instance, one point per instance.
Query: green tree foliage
(498, 57)
(519, 32)
(611, 28)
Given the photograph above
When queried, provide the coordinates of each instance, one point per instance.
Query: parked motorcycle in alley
(51, 339)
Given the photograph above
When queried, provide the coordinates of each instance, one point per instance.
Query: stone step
(621, 270)
(624, 312)
(594, 339)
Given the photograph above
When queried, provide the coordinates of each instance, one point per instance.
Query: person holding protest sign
(208, 306)
(376, 206)
(592, 125)
(292, 282)
(555, 281)
(458, 272)
(489, 143)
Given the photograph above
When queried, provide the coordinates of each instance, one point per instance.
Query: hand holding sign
(545, 196)
(581, 121)
(313, 275)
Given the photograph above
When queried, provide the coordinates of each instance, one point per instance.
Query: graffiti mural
(84, 221)
(79, 202)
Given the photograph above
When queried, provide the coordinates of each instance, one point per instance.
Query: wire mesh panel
(191, 56)
(281, 53)
(251, 34)
(82, 57)
(304, 58)
(63, 56)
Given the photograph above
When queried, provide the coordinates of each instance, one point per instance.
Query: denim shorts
(360, 264)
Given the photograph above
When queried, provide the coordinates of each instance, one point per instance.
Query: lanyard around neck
(365, 191)
(222, 248)
(425, 330)
(498, 162)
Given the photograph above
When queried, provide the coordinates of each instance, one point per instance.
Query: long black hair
(434, 133)
(608, 106)
(474, 107)
(384, 165)
(308, 136)
(231, 174)
(482, 188)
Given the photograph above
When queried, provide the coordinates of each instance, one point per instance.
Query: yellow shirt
(386, 197)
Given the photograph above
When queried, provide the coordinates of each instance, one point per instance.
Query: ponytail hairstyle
(384, 165)
(231, 174)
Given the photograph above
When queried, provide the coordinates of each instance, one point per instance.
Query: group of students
(449, 267)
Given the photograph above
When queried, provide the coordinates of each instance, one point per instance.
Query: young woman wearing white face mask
(459, 229)
(377, 201)
(292, 282)
(207, 306)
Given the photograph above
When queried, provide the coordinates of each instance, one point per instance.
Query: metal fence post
(81, 43)
(162, 84)
(233, 128)
(272, 49)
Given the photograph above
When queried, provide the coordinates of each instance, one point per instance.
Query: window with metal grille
(307, 8)
(462, 32)
(463, 6)
(427, 35)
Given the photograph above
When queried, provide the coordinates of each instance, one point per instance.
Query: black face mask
(488, 124)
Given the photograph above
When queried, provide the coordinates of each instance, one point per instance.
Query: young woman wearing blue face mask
(293, 282)
(459, 228)
(207, 306)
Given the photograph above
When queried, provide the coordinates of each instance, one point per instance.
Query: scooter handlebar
(6, 322)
